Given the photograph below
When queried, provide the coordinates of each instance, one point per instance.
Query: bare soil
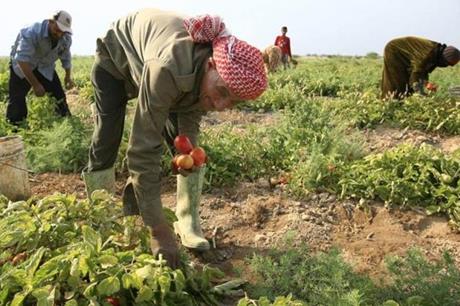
(383, 138)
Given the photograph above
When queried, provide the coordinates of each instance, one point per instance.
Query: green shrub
(304, 133)
(322, 279)
(435, 113)
(325, 279)
(41, 112)
(5, 127)
(79, 253)
(61, 148)
(4, 79)
(435, 283)
(406, 176)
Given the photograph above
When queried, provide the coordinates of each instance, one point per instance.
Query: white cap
(64, 21)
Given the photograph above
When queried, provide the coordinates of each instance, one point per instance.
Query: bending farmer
(178, 68)
(407, 62)
(33, 58)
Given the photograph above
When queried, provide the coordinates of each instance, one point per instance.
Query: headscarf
(451, 54)
(238, 63)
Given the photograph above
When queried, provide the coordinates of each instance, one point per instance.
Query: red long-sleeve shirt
(284, 43)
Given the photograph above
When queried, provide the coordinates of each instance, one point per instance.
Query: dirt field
(252, 217)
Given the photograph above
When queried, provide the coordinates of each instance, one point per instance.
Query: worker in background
(284, 43)
(407, 63)
(32, 65)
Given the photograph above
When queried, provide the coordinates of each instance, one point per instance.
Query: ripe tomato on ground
(113, 300)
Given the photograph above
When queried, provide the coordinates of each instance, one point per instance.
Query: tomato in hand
(184, 161)
(199, 156)
(183, 144)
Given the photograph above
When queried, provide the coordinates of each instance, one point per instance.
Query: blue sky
(346, 27)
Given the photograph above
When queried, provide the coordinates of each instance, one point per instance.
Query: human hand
(419, 87)
(69, 83)
(163, 241)
(39, 90)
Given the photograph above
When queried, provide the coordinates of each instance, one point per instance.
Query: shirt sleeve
(415, 76)
(157, 92)
(66, 55)
(189, 124)
(418, 71)
(421, 54)
(26, 46)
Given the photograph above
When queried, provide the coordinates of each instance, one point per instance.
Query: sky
(339, 27)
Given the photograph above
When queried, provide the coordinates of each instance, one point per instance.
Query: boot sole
(199, 247)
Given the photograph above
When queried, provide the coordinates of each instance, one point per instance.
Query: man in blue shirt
(32, 65)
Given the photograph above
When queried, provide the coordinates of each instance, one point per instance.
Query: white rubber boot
(188, 226)
(102, 179)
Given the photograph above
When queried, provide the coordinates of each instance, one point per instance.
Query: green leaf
(72, 302)
(433, 209)
(14, 206)
(108, 286)
(243, 302)
(100, 195)
(48, 269)
(74, 276)
(390, 303)
(144, 272)
(144, 294)
(4, 295)
(415, 300)
(83, 265)
(73, 281)
(45, 296)
(136, 281)
(90, 291)
(179, 280)
(127, 281)
(18, 299)
(14, 278)
(92, 237)
(75, 267)
(94, 302)
(165, 284)
(107, 261)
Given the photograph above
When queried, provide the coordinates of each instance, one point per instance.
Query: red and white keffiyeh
(238, 63)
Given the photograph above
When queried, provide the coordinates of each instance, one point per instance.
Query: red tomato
(174, 166)
(431, 86)
(199, 156)
(113, 300)
(184, 161)
(183, 144)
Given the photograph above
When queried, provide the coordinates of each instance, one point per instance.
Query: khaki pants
(111, 99)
